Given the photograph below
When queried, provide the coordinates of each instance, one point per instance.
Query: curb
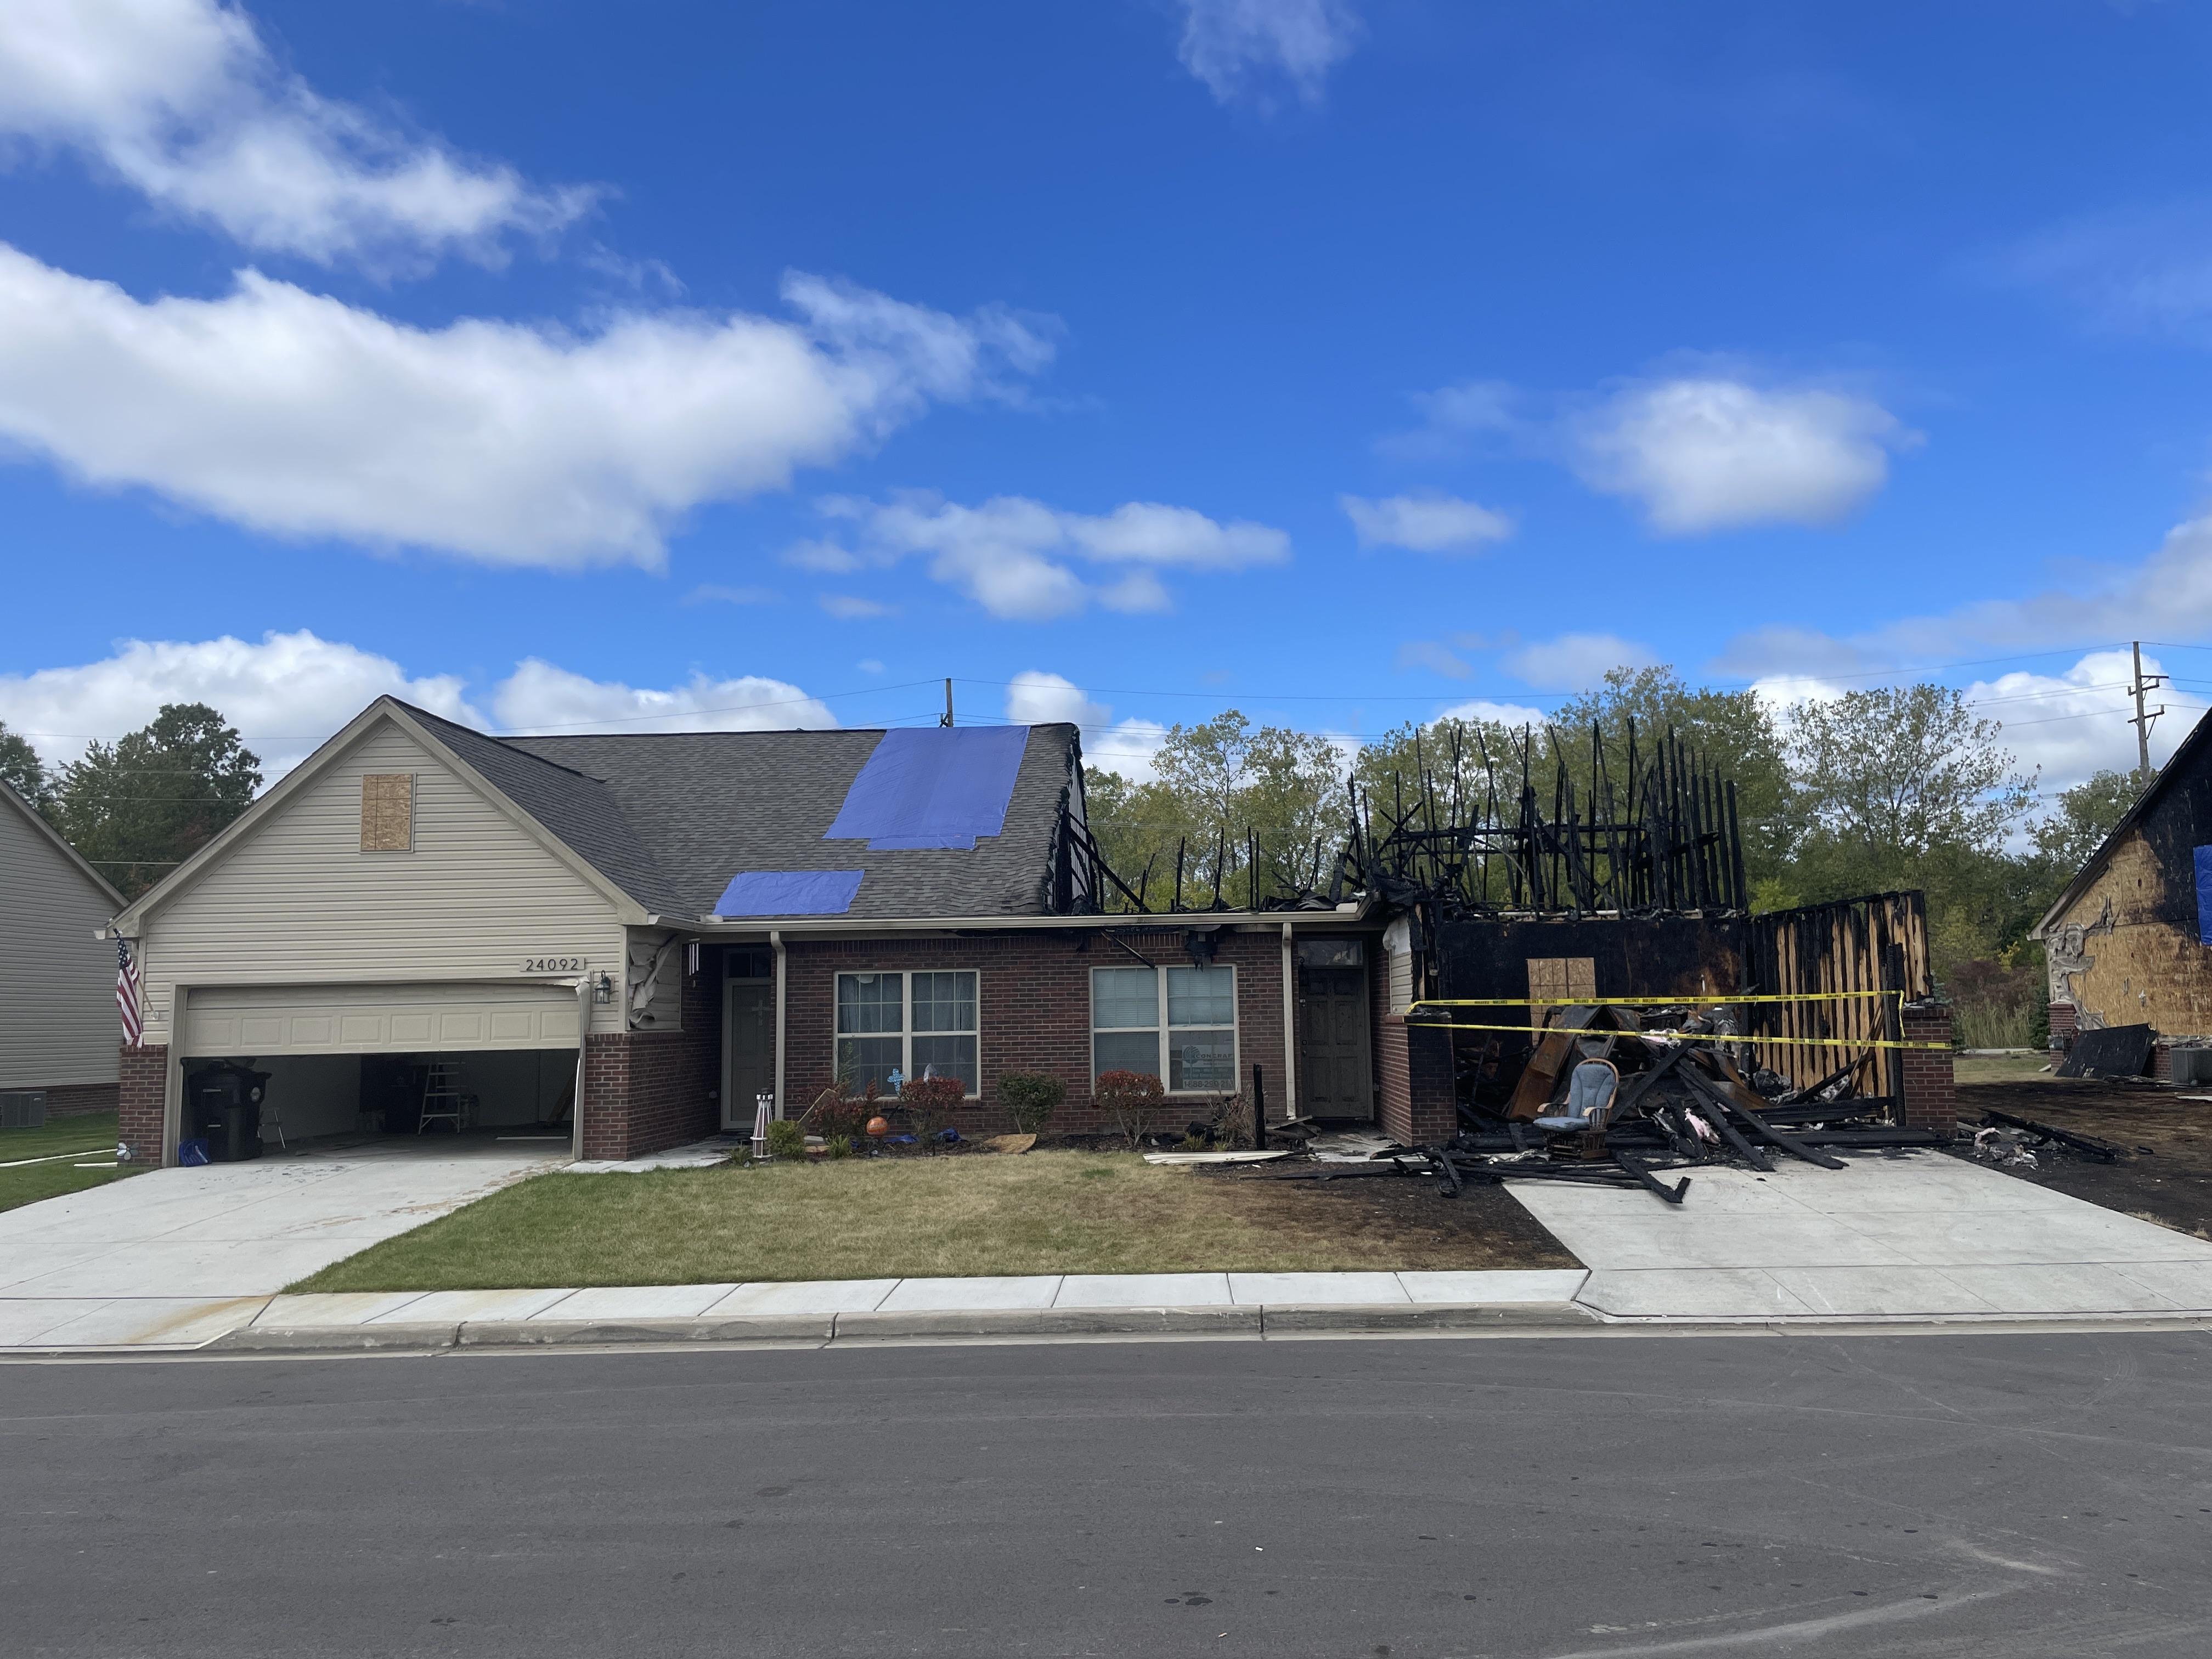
(828, 1329)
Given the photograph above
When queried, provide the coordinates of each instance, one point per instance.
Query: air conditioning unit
(2190, 1066)
(22, 1109)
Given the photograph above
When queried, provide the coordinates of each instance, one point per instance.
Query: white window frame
(1162, 1028)
(906, 1033)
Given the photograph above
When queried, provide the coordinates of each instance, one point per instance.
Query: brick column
(2065, 1020)
(645, 1091)
(1931, 1100)
(141, 1096)
(1414, 1071)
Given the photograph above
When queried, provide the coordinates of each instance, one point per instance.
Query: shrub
(1234, 1125)
(786, 1138)
(928, 1103)
(1030, 1098)
(1133, 1100)
(832, 1116)
(837, 1146)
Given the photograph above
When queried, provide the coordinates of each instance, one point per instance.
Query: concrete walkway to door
(158, 1256)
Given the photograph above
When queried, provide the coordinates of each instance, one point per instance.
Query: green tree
(2084, 816)
(1212, 782)
(20, 770)
(140, 806)
(1904, 787)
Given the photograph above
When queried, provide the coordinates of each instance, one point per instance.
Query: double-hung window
(916, 1025)
(1178, 1025)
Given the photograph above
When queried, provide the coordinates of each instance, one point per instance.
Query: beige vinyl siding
(296, 901)
(57, 1019)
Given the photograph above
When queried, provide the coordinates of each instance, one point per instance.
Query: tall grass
(1994, 1025)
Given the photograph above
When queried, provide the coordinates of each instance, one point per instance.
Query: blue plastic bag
(192, 1153)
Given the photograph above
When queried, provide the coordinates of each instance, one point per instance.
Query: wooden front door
(1334, 1074)
(749, 1049)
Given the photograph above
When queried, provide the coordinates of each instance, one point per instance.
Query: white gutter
(1246, 921)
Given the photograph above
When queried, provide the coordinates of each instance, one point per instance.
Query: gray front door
(749, 1036)
(1333, 1079)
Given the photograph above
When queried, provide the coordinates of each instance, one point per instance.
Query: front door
(1333, 1074)
(748, 1043)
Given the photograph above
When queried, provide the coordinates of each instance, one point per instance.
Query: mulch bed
(2165, 1172)
(1485, 1227)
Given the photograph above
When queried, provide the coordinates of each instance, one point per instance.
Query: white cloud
(1428, 523)
(851, 607)
(539, 697)
(181, 100)
(1435, 656)
(1517, 715)
(2168, 593)
(295, 414)
(2137, 269)
(1010, 554)
(1243, 50)
(1704, 454)
(869, 665)
(1036, 698)
(716, 593)
(285, 694)
(1575, 662)
(1452, 416)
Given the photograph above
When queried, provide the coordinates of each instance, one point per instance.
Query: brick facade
(142, 1095)
(645, 1091)
(82, 1099)
(1034, 1011)
(2065, 1019)
(1417, 1102)
(1931, 1100)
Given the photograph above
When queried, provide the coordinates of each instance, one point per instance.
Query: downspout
(583, 1046)
(1290, 1029)
(775, 944)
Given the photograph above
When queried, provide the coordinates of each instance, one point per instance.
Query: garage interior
(313, 1070)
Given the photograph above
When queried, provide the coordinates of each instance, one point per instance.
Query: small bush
(832, 1115)
(1235, 1125)
(786, 1138)
(837, 1146)
(1134, 1101)
(1030, 1099)
(927, 1103)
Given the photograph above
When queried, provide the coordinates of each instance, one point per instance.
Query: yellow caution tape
(1640, 1002)
(1681, 1036)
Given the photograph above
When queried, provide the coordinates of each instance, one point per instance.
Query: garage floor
(126, 1255)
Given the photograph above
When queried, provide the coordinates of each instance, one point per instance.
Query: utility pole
(2141, 722)
(947, 720)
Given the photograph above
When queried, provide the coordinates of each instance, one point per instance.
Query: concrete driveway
(170, 1256)
(1915, 1234)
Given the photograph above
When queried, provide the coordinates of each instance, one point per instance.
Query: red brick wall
(1033, 992)
(1413, 1068)
(645, 1091)
(79, 1099)
(141, 1095)
(2063, 1023)
(1931, 1100)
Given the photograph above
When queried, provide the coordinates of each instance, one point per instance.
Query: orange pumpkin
(880, 1126)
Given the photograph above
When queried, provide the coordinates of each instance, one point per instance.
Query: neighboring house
(719, 915)
(58, 1024)
(2129, 941)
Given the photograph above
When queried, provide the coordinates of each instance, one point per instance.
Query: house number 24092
(553, 964)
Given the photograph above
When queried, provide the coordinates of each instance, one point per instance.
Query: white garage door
(349, 1019)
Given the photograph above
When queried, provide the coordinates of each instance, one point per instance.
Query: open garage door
(451, 1065)
(366, 1019)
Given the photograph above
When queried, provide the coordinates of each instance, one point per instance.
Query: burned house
(2126, 944)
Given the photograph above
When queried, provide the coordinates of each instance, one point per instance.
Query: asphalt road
(1989, 1495)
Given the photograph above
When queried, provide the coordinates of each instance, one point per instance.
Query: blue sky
(1345, 360)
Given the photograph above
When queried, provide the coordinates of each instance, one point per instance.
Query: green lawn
(92, 1135)
(1047, 1213)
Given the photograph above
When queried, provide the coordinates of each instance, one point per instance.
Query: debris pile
(2021, 1143)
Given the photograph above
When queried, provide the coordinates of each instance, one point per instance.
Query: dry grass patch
(1047, 1213)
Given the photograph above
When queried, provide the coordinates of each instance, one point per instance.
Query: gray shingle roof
(671, 816)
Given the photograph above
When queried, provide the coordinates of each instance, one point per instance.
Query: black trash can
(226, 1111)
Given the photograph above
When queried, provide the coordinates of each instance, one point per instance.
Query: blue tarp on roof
(789, 893)
(934, 787)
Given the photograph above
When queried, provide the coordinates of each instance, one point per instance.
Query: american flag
(126, 992)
